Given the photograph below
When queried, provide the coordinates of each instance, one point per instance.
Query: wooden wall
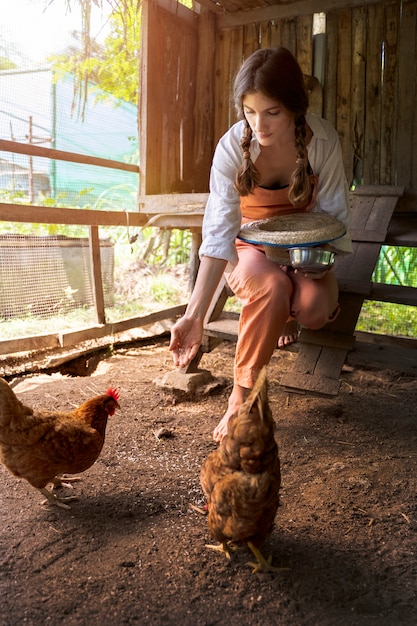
(169, 49)
(369, 85)
(366, 61)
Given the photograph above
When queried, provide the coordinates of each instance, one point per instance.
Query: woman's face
(269, 120)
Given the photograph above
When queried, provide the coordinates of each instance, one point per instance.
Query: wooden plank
(402, 230)
(373, 101)
(406, 141)
(289, 34)
(96, 278)
(380, 217)
(330, 363)
(413, 78)
(280, 10)
(251, 36)
(237, 55)
(378, 190)
(225, 328)
(221, 293)
(389, 110)
(187, 97)
(60, 155)
(350, 305)
(398, 294)
(29, 344)
(359, 287)
(68, 338)
(304, 28)
(361, 206)
(58, 215)
(203, 108)
(343, 82)
(149, 115)
(276, 33)
(360, 265)
(373, 220)
(307, 358)
(265, 35)
(173, 203)
(327, 338)
(357, 113)
(166, 103)
(71, 338)
(176, 220)
(221, 92)
(294, 381)
(330, 72)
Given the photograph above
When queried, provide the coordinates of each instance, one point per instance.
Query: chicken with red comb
(41, 445)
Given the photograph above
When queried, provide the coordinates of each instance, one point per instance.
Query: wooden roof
(233, 12)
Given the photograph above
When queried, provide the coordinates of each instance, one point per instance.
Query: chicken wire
(49, 275)
(37, 108)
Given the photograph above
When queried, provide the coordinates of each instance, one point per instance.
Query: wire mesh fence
(46, 281)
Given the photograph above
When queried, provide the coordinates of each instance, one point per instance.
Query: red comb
(113, 393)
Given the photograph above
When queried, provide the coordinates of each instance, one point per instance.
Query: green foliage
(113, 66)
(396, 266)
(385, 318)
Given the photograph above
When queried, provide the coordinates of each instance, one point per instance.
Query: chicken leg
(262, 564)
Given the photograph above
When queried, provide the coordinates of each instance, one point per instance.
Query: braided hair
(275, 73)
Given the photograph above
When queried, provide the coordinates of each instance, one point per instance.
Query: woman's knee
(315, 317)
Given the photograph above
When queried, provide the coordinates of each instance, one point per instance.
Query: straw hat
(288, 231)
(295, 229)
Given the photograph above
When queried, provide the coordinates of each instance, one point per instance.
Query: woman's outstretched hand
(187, 333)
(186, 337)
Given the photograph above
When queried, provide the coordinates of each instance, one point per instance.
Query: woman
(278, 159)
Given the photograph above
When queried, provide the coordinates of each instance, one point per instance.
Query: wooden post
(96, 276)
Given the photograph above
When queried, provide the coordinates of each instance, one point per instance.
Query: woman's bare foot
(289, 334)
(237, 398)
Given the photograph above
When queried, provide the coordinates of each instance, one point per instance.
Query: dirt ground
(132, 549)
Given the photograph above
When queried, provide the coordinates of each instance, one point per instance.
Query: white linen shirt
(222, 216)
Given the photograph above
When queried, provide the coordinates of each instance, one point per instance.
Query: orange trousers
(270, 295)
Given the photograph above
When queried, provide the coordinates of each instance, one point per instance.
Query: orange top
(262, 203)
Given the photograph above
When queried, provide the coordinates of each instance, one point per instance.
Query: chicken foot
(54, 499)
(60, 481)
(224, 547)
(262, 564)
(64, 481)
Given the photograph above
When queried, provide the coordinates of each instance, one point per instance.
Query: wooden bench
(322, 353)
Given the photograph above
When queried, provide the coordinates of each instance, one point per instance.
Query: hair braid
(300, 188)
(247, 176)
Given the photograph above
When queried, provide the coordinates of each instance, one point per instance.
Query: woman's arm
(187, 333)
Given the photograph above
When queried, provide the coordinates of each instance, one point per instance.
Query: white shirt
(222, 216)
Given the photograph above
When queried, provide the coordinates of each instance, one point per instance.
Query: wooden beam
(282, 10)
(60, 155)
(173, 203)
(58, 215)
(96, 276)
(69, 338)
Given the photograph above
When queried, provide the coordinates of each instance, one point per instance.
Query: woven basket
(295, 229)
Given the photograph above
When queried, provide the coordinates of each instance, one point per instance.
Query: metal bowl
(311, 259)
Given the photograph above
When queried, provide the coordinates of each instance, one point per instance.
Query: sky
(42, 27)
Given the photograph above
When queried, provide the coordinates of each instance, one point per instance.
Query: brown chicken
(241, 478)
(40, 445)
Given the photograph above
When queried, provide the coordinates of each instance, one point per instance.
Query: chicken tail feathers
(259, 393)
